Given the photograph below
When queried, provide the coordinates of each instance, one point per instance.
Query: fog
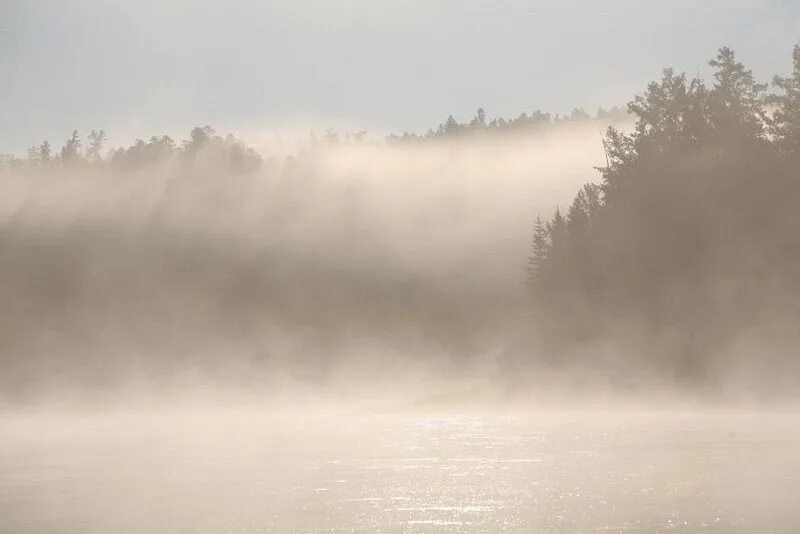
(400, 258)
(376, 274)
(559, 323)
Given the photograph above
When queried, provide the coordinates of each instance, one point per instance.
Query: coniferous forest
(692, 237)
(681, 257)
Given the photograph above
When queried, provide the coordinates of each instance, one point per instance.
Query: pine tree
(785, 121)
(70, 152)
(540, 245)
(450, 126)
(34, 154)
(736, 100)
(45, 151)
(557, 229)
(577, 217)
(479, 121)
(593, 202)
(96, 140)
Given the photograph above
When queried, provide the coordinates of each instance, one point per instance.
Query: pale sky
(142, 67)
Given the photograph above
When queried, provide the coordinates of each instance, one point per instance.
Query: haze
(359, 266)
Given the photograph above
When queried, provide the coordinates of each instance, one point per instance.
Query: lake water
(556, 472)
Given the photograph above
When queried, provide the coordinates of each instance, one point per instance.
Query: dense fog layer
(391, 260)
(536, 256)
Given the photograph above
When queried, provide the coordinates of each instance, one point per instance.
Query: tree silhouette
(96, 140)
(704, 188)
(736, 99)
(785, 120)
(540, 249)
(70, 152)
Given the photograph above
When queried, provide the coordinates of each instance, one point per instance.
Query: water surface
(246, 472)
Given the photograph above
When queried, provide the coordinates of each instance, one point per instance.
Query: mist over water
(342, 340)
(247, 470)
(358, 261)
(342, 271)
(548, 323)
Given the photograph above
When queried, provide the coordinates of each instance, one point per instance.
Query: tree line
(694, 231)
(480, 125)
(235, 155)
(204, 146)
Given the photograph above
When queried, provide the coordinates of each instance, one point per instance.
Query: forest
(682, 261)
(220, 153)
(480, 126)
(692, 238)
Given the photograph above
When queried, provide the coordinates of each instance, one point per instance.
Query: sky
(143, 67)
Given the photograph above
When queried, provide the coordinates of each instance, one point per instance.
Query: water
(243, 472)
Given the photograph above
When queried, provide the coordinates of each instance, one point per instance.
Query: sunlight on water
(552, 473)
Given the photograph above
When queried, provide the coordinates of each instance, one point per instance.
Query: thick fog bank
(373, 258)
(396, 271)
